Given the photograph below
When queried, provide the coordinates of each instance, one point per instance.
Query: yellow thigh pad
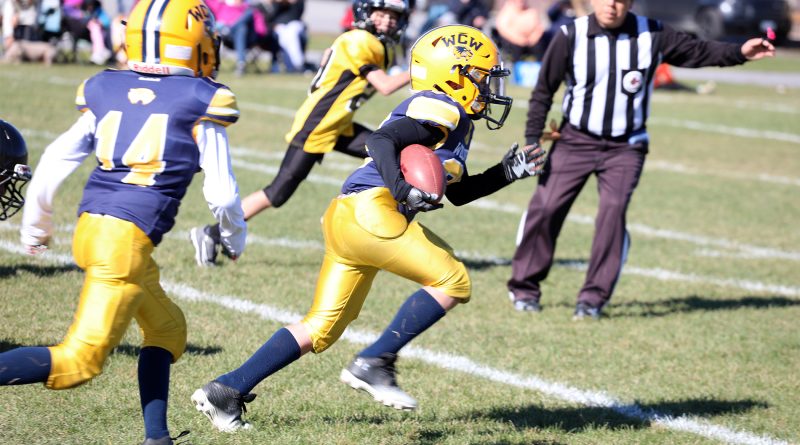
(121, 283)
(354, 254)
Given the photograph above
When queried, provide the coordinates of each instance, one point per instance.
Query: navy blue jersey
(144, 143)
(429, 108)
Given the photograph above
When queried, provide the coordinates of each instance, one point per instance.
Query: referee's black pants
(572, 159)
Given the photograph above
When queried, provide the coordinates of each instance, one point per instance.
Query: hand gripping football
(423, 169)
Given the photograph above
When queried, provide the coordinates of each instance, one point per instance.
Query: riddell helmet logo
(149, 69)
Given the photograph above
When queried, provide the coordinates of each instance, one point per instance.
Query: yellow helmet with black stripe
(172, 37)
(462, 62)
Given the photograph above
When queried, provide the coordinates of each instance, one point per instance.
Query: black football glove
(521, 164)
(422, 201)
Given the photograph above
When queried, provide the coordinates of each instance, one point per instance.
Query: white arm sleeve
(219, 186)
(59, 160)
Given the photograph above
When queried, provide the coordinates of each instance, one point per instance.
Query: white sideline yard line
(649, 165)
(717, 128)
(740, 249)
(466, 365)
(673, 167)
(748, 105)
(727, 129)
(687, 124)
(737, 249)
(653, 273)
(656, 273)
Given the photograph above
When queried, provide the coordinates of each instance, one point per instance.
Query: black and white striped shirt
(609, 73)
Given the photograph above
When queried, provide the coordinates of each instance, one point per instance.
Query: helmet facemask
(491, 91)
(12, 180)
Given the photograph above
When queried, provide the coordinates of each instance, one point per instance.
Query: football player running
(14, 170)
(351, 71)
(151, 129)
(457, 77)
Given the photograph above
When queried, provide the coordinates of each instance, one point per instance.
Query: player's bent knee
(175, 343)
(323, 333)
(75, 363)
(457, 284)
(171, 338)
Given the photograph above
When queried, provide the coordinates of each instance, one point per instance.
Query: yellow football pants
(364, 233)
(122, 282)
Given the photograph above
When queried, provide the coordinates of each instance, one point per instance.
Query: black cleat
(378, 377)
(166, 440)
(222, 405)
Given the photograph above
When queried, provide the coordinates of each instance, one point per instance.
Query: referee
(607, 60)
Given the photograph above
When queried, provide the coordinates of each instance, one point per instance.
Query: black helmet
(362, 10)
(14, 170)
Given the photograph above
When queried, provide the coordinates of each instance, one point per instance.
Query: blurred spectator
(50, 19)
(346, 22)
(435, 9)
(86, 20)
(22, 35)
(520, 29)
(117, 31)
(285, 19)
(562, 12)
(234, 20)
(466, 12)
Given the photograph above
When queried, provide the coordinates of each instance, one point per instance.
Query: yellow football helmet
(172, 37)
(463, 63)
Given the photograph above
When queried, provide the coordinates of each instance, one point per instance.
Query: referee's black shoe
(584, 311)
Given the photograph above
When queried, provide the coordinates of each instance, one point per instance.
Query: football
(423, 169)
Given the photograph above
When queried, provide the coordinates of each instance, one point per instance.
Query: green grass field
(701, 345)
